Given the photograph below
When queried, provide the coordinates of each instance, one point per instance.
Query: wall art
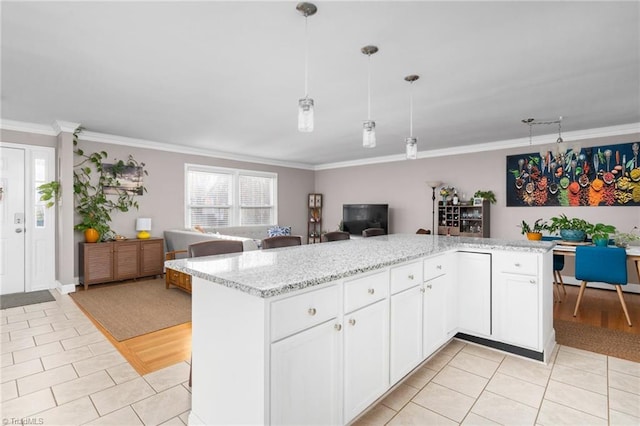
(607, 175)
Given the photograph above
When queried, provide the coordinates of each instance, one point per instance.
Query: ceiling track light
(411, 142)
(306, 105)
(369, 126)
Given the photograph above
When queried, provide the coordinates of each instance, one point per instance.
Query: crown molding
(22, 126)
(64, 126)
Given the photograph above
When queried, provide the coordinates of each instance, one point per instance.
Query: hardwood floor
(600, 308)
(154, 351)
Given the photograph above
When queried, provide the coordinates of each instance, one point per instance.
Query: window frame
(234, 206)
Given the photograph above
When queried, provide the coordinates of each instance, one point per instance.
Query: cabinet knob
(371, 291)
(517, 265)
(312, 311)
(429, 286)
(438, 266)
(338, 327)
(411, 277)
(352, 321)
(422, 290)
(532, 281)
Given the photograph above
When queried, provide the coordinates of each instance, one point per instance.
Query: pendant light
(305, 105)
(369, 126)
(412, 143)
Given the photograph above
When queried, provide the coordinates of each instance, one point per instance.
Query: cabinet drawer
(173, 277)
(405, 276)
(297, 313)
(517, 263)
(435, 266)
(366, 290)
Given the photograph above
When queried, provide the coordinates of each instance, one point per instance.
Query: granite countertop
(268, 273)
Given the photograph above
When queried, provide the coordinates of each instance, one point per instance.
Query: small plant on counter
(600, 233)
(487, 195)
(538, 226)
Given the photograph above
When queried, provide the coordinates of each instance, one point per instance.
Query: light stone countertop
(268, 273)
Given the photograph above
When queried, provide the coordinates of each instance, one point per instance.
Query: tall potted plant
(92, 202)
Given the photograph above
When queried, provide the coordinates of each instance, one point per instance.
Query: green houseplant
(98, 192)
(600, 233)
(533, 232)
(487, 195)
(570, 229)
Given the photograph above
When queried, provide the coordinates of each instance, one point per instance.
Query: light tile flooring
(58, 369)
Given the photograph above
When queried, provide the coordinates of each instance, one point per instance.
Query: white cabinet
(305, 374)
(366, 342)
(434, 315)
(406, 332)
(305, 358)
(366, 357)
(474, 293)
(516, 300)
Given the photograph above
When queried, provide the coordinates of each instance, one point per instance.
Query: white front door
(12, 218)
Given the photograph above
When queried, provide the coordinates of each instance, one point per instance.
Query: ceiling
(226, 76)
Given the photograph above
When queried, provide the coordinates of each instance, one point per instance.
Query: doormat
(22, 299)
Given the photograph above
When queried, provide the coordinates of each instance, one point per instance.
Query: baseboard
(629, 288)
(66, 288)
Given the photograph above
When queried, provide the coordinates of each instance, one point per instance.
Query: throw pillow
(276, 231)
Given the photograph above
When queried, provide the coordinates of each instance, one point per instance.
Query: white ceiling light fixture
(369, 126)
(411, 142)
(305, 105)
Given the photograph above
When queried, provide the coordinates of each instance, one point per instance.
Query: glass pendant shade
(369, 134)
(412, 148)
(305, 115)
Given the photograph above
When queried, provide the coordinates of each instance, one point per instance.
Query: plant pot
(91, 235)
(573, 235)
(534, 236)
(601, 241)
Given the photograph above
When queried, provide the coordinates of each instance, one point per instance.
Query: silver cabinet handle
(352, 321)
(312, 311)
(338, 327)
(438, 266)
(517, 265)
(18, 230)
(429, 286)
(371, 291)
(532, 281)
(411, 277)
(422, 290)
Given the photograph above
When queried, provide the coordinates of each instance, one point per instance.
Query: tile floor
(58, 369)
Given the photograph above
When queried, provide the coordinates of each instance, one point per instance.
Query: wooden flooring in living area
(154, 351)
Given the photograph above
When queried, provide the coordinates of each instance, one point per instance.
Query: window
(217, 197)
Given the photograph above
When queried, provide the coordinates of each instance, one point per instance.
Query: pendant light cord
(411, 110)
(306, 56)
(369, 90)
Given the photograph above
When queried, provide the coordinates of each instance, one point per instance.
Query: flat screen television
(358, 217)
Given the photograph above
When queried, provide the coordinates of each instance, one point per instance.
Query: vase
(91, 235)
(534, 236)
(601, 241)
(573, 235)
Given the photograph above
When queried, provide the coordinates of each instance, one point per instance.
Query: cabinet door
(434, 316)
(126, 259)
(516, 310)
(305, 377)
(474, 293)
(366, 357)
(97, 262)
(406, 332)
(151, 257)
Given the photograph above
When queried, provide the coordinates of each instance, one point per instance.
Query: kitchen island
(317, 333)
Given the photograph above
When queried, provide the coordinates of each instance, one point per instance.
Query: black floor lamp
(433, 185)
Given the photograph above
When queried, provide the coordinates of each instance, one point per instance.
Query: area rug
(22, 299)
(135, 308)
(614, 343)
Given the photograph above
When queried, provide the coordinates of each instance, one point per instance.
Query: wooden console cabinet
(120, 260)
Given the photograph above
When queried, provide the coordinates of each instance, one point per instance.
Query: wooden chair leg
(559, 277)
(624, 305)
(190, 370)
(556, 285)
(580, 293)
(556, 293)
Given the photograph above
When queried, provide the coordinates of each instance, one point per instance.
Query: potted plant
(625, 239)
(570, 229)
(487, 195)
(533, 232)
(93, 203)
(600, 233)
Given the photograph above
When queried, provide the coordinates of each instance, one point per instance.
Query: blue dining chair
(558, 266)
(602, 264)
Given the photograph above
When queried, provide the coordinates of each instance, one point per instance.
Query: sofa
(251, 236)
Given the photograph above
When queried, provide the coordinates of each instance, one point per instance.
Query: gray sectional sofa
(251, 236)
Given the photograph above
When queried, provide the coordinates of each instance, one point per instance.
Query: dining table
(569, 249)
